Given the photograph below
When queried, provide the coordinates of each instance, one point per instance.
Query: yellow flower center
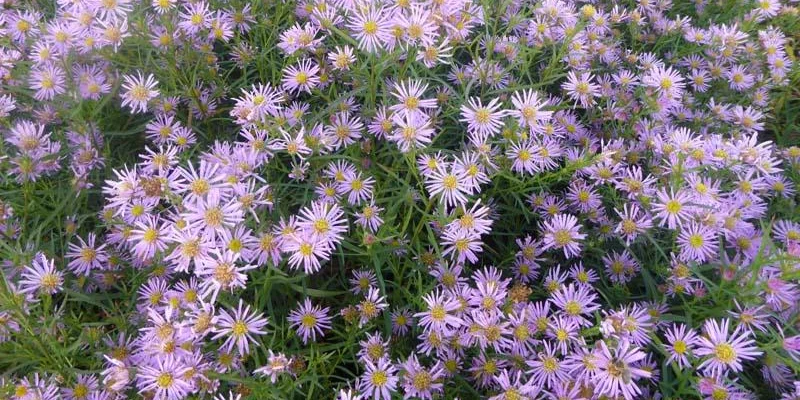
(422, 380)
(450, 182)
(680, 347)
(673, 207)
(80, 391)
(438, 313)
(696, 241)
(88, 254)
(239, 328)
(165, 380)
(213, 217)
(725, 353)
(482, 115)
(562, 237)
(370, 27)
(573, 308)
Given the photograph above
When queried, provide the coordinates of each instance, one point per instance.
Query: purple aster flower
(419, 381)
(563, 232)
(277, 364)
(673, 209)
(372, 27)
(483, 120)
(617, 372)
(310, 320)
(411, 102)
(451, 184)
(547, 369)
(372, 305)
(48, 81)
(165, 379)
(138, 92)
(666, 81)
(86, 256)
(579, 87)
(239, 328)
(698, 243)
(576, 301)
(402, 321)
(379, 380)
(301, 78)
(681, 342)
(440, 313)
(41, 276)
(725, 351)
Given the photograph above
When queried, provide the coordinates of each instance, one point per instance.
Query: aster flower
(310, 320)
(371, 306)
(633, 222)
(402, 321)
(41, 276)
(139, 91)
(786, 231)
(681, 343)
(277, 364)
(306, 250)
(450, 185)
(480, 119)
(221, 272)
(371, 27)
(546, 368)
(410, 97)
(369, 217)
(750, 318)
(239, 327)
(417, 25)
(344, 130)
(194, 17)
(166, 379)
(666, 81)
(563, 232)
(342, 58)
(257, 103)
(362, 281)
(419, 381)
(373, 348)
(474, 220)
(324, 221)
(617, 372)
(86, 256)
(580, 88)
(413, 131)
(725, 350)
(462, 245)
(576, 301)
(27, 136)
(440, 313)
(379, 380)
(301, 78)
(748, 118)
(348, 394)
(673, 209)
(84, 387)
(528, 109)
(48, 81)
(698, 243)
(116, 376)
(357, 188)
(149, 238)
(523, 159)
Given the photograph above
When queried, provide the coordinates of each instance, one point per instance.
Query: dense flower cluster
(399, 199)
